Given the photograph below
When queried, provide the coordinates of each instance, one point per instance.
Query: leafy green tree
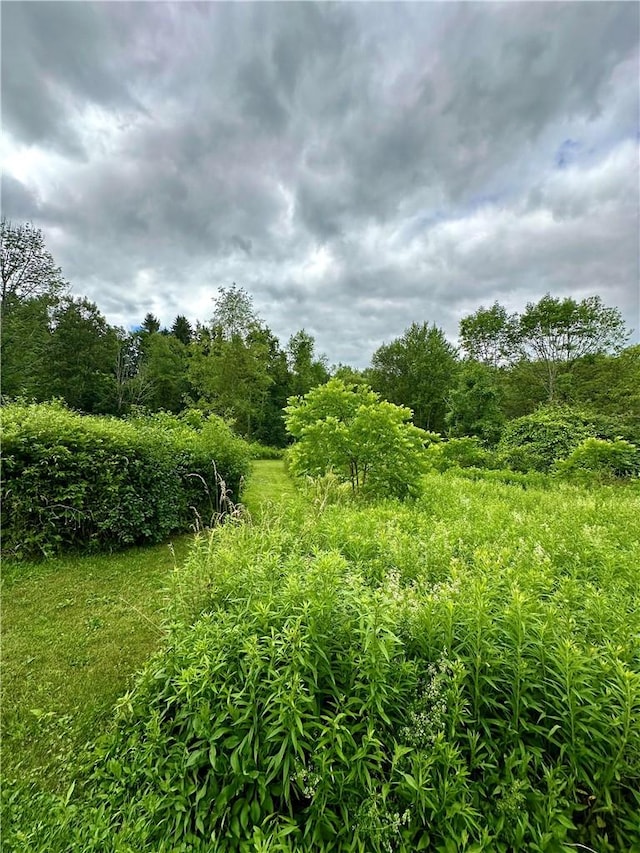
(349, 375)
(81, 354)
(234, 314)
(25, 340)
(307, 370)
(364, 440)
(555, 333)
(489, 335)
(475, 403)
(131, 386)
(608, 383)
(164, 372)
(417, 370)
(27, 269)
(269, 425)
(228, 371)
(182, 330)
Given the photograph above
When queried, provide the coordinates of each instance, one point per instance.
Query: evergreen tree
(182, 330)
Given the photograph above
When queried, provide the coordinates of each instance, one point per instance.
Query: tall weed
(460, 674)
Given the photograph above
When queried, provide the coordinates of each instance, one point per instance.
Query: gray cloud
(354, 166)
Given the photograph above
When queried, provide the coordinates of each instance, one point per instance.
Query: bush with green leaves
(71, 481)
(537, 441)
(467, 452)
(457, 674)
(601, 459)
(364, 440)
(264, 451)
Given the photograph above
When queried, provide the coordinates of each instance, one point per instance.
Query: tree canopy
(27, 269)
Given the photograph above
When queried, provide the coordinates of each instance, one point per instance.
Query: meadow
(460, 672)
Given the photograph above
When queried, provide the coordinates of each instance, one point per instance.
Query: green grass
(268, 484)
(74, 630)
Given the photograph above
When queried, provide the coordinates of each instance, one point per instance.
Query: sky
(355, 167)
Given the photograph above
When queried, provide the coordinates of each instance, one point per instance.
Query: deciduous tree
(489, 335)
(417, 370)
(367, 442)
(27, 269)
(558, 332)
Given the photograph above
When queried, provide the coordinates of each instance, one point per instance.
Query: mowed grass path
(75, 630)
(269, 483)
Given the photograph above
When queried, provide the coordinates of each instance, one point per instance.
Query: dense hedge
(71, 481)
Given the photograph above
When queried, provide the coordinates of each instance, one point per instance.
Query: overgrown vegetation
(458, 672)
(461, 674)
(89, 483)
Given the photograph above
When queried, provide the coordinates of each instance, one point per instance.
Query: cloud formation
(356, 167)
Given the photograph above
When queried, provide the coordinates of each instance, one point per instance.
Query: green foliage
(535, 442)
(235, 370)
(182, 330)
(459, 674)
(475, 404)
(164, 370)
(489, 335)
(307, 370)
(556, 331)
(602, 458)
(70, 481)
(25, 342)
(417, 370)
(263, 451)
(27, 269)
(81, 356)
(461, 453)
(610, 384)
(364, 440)
(506, 476)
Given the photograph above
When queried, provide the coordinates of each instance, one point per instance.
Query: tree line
(57, 345)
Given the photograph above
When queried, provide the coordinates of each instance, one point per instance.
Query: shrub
(364, 440)
(464, 452)
(535, 442)
(601, 459)
(263, 451)
(507, 476)
(91, 483)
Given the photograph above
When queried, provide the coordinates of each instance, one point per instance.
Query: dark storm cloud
(19, 199)
(57, 57)
(354, 166)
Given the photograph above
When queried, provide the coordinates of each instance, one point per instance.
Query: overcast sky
(355, 167)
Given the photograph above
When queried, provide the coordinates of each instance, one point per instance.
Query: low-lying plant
(460, 674)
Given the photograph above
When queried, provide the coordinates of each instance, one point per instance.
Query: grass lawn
(74, 630)
(269, 483)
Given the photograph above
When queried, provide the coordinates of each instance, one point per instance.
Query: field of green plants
(457, 673)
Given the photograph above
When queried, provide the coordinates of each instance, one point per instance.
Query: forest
(558, 352)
